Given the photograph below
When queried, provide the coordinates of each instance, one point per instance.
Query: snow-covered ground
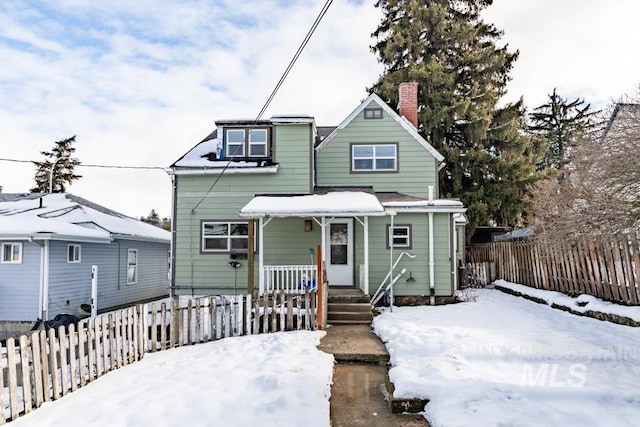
(262, 380)
(506, 361)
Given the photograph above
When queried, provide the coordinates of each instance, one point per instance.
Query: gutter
(218, 171)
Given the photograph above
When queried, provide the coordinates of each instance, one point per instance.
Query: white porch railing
(290, 278)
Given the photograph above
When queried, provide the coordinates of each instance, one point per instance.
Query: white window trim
(227, 236)
(391, 235)
(12, 261)
(261, 144)
(246, 142)
(136, 265)
(74, 260)
(235, 144)
(373, 158)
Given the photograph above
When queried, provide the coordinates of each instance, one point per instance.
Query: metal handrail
(378, 294)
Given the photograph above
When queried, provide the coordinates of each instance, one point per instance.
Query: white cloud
(141, 82)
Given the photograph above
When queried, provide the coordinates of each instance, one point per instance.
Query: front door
(340, 253)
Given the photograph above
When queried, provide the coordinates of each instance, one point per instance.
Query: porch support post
(323, 225)
(366, 255)
(261, 254)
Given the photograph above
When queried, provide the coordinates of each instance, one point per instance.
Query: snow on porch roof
(337, 203)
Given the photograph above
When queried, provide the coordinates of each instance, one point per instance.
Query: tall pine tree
(63, 167)
(446, 47)
(560, 122)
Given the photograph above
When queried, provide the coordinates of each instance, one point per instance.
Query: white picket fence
(44, 365)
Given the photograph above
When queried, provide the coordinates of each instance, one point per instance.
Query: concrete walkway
(359, 377)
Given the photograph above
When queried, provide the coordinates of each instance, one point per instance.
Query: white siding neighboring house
(48, 245)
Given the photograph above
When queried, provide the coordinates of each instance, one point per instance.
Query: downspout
(45, 287)
(432, 272)
(41, 280)
(390, 237)
(454, 253)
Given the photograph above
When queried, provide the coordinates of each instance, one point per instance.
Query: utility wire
(93, 166)
(275, 90)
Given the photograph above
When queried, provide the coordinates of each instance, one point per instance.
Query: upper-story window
(374, 157)
(246, 142)
(373, 113)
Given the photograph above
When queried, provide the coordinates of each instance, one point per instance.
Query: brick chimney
(408, 102)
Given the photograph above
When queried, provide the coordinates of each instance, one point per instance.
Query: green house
(362, 198)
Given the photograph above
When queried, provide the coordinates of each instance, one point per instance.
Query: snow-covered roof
(338, 203)
(204, 158)
(68, 217)
(415, 204)
(406, 124)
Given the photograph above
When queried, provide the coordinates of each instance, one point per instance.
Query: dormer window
(245, 143)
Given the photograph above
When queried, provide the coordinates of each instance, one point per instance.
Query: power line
(306, 39)
(93, 165)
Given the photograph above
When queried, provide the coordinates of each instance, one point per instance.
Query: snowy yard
(506, 361)
(268, 380)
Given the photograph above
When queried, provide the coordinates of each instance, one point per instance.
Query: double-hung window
(247, 142)
(132, 266)
(12, 253)
(399, 236)
(235, 143)
(73, 253)
(374, 157)
(225, 236)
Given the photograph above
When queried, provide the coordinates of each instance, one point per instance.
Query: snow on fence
(608, 268)
(46, 365)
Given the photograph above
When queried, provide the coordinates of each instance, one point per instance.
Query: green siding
(232, 191)
(417, 168)
(379, 255)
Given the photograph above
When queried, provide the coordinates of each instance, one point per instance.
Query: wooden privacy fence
(607, 268)
(45, 365)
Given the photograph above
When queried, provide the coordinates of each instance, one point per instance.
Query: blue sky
(141, 82)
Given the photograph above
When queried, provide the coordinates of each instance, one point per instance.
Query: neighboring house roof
(623, 116)
(401, 120)
(67, 217)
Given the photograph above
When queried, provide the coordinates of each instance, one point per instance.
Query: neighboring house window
(225, 236)
(374, 158)
(400, 235)
(73, 253)
(12, 253)
(373, 113)
(246, 142)
(132, 266)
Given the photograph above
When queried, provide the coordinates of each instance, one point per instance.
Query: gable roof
(67, 217)
(395, 116)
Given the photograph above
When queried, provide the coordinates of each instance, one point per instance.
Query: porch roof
(336, 204)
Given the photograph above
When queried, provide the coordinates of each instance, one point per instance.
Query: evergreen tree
(560, 122)
(446, 47)
(63, 167)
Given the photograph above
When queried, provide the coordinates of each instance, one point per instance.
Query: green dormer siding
(417, 168)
